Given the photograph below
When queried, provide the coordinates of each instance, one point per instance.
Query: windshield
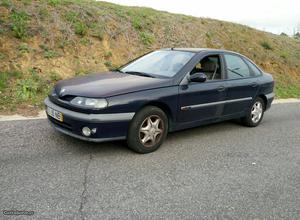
(159, 63)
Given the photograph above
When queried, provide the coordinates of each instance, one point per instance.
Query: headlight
(89, 102)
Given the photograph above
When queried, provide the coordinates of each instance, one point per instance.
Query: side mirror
(198, 77)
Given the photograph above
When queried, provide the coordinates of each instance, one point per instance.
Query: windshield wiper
(118, 70)
(139, 73)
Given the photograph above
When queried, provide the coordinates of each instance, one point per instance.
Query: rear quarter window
(253, 68)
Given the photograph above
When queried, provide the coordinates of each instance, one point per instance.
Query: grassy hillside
(44, 41)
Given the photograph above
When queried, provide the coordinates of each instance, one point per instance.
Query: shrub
(3, 80)
(23, 48)
(54, 76)
(208, 35)
(297, 35)
(98, 34)
(54, 2)
(50, 54)
(97, 31)
(108, 64)
(136, 23)
(71, 16)
(266, 45)
(147, 38)
(63, 43)
(44, 13)
(2, 56)
(6, 75)
(283, 34)
(43, 46)
(19, 24)
(107, 54)
(85, 41)
(5, 3)
(80, 28)
(26, 89)
(284, 54)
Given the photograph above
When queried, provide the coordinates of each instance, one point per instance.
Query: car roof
(198, 50)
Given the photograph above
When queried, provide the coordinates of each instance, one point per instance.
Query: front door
(200, 101)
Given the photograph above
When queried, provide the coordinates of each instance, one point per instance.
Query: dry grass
(72, 37)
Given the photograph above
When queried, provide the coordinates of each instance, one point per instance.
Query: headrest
(208, 66)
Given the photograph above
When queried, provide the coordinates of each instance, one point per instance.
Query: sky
(274, 16)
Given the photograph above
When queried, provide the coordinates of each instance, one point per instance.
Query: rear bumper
(270, 98)
(108, 126)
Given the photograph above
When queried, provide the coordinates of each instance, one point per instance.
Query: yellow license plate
(55, 114)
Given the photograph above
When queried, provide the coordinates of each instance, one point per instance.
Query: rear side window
(236, 67)
(254, 69)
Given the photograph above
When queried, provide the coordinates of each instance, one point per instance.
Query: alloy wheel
(256, 112)
(151, 130)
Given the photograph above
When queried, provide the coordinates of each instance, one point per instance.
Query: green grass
(108, 64)
(107, 54)
(2, 56)
(289, 91)
(54, 2)
(5, 3)
(77, 22)
(147, 38)
(136, 23)
(5, 76)
(19, 24)
(26, 89)
(80, 28)
(30, 87)
(48, 53)
(54, 76)
(23, 48)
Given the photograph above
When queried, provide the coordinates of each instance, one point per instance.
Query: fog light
(86, 131)
(94, 130)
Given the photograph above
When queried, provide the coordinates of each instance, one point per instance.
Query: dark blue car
(165, 90)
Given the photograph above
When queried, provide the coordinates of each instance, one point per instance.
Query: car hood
(101, 85)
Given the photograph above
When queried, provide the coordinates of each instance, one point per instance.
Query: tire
(255, 113)
(147, 130)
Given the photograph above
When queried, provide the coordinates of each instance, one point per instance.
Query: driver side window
(210, 66)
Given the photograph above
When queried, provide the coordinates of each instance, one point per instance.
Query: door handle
(254, 84)
(221, 89)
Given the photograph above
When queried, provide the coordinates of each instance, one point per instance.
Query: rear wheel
(148, 130)
(255, 113)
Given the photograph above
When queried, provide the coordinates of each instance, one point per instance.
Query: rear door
(242, 85)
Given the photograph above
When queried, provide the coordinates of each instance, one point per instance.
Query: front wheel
(255, 113)
(148, 130)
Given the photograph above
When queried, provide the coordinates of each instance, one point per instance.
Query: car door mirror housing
(198, 77)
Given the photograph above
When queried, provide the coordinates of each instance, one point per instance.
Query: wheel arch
(264, 98)
(165, 108)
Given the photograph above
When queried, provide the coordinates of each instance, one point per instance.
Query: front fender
(133, 102)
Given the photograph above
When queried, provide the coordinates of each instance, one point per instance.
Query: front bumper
(108, 126)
